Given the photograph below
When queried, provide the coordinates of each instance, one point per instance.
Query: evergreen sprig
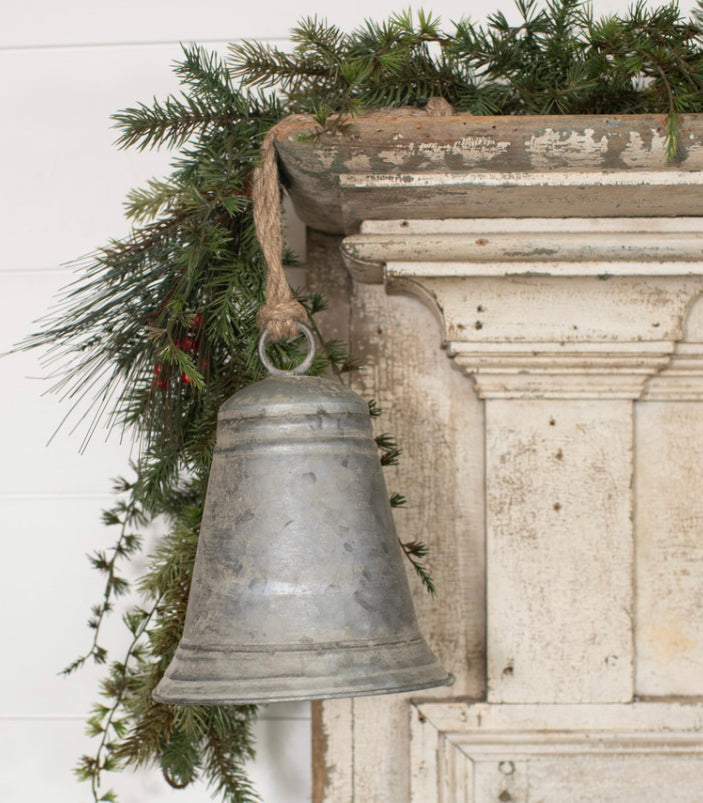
(128, 515)
(558, 59)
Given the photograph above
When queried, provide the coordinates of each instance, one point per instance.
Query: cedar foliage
(160, 328)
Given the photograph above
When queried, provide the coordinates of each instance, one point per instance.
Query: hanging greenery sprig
(557, 59)
(161, 327)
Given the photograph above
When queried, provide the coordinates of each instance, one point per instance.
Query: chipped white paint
(611, 328)
(556, 178)
(637, 155)
(682, 377)
(413, 253)
(510, 309)
(570, 298)
(366, 754)
(582, 149)
(473, 150)
(338, 758)
(466, 166)
(455, 194)
(560, 371)
(669, 522)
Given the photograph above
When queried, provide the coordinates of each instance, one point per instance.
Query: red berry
(195, 321)
(186, 379)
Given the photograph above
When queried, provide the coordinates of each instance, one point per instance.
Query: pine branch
(105, 722)
(223, 766)
(165, 124)
(415, 551)
(126, 546)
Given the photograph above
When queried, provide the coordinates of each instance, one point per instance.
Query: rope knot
(280, 319)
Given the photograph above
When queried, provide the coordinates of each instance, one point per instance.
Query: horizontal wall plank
(40, 756)
(65, 182)
(38, 23)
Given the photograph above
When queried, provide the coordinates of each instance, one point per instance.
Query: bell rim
(252, 699)
(201, 676)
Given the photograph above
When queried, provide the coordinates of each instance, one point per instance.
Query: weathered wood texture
(669, 525)
(549, 327)
(601, 247)
(463, 753)
(577, 447)
(388, 165)
(592, 509)
(433, 413)
(669, 522)
(559, 545)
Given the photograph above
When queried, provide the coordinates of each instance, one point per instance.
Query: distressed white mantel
(583, 338)
(559, 262)
(545, 308)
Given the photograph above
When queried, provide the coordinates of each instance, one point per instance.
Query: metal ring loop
(300, 369)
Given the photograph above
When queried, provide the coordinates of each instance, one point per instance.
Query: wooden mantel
(386, 166)
(559, 262)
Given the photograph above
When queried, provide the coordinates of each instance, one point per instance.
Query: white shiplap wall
(66, 67)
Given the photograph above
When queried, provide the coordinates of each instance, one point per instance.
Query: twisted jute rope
(281, 313)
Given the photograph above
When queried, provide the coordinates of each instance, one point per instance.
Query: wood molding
(387, 165)
(475, 752)
(548, 308)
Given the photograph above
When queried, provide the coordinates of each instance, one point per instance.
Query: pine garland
(160, 328)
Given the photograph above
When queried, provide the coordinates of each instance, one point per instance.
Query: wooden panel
(669, 526)
(437, 420)
(333, 769)
(464, 753)
(618, 777)
(480, 247)
(559, 550)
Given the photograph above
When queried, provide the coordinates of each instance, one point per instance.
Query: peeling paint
(473, 150)
(580, 148)
(638, 154)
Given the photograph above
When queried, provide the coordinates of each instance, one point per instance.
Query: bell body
(299, 588)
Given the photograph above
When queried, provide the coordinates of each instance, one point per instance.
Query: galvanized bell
(299, 588)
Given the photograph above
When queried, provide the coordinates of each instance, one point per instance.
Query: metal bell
(299, 588)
